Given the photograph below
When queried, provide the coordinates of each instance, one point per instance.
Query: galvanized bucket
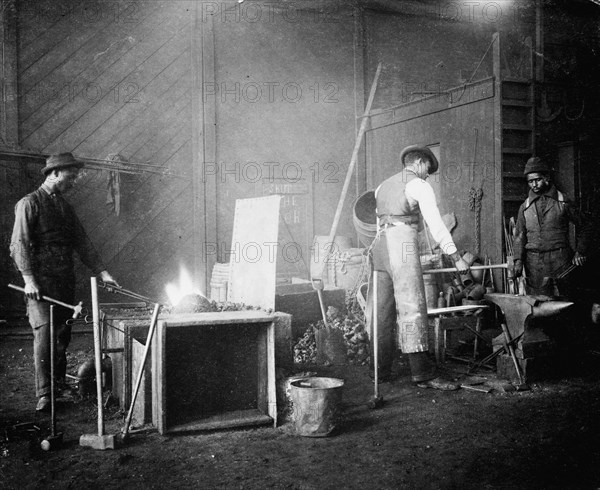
(316, 405)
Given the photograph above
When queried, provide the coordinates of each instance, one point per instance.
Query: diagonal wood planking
(139, 133)
(150, 54)
(71, 78)
(151, 198)
(95, 189)
(97, 143)
(65, 124)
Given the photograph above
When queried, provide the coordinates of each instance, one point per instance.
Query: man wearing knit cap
(45, 234)
(401, 307)
(541, 245)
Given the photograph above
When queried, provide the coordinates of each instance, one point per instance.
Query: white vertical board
(252, 274)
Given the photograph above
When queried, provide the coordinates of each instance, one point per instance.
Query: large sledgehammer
(76, 309)
(100, 440)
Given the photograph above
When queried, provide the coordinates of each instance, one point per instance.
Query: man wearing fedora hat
(541, 245)
(401, 307)
(45, 234)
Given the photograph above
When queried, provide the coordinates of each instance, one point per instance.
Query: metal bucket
(365, 217)
(316, 405)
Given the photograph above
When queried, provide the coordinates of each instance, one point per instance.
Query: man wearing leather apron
(401, 306)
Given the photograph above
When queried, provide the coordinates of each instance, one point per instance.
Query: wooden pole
(317, 279)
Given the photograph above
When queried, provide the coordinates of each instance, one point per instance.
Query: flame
(176, 292)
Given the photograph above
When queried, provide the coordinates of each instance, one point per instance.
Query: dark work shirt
(551, 228)
(45, 234)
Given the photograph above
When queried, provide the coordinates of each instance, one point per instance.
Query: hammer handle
(472, 268)
(45, 298)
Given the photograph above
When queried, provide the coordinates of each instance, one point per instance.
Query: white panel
(252, 274)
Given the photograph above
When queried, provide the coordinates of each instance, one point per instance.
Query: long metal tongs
(111, 288)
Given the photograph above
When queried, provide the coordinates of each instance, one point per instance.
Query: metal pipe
(77, 309)
(473, 268)
(97, 353)
(118, 289)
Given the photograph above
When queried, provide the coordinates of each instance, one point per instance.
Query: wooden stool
(444, 323)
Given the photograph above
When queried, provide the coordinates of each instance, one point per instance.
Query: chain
(475, 197)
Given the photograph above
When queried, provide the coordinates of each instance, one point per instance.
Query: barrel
(365, 217)
(316, 405)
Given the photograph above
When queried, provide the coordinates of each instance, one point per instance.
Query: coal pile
(194, 303)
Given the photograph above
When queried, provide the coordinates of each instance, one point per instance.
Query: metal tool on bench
(55, 439)
(505, 265)
(76, 309)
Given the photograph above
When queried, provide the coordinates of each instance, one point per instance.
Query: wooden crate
(214, 370)
(119, 331)
(119, 341)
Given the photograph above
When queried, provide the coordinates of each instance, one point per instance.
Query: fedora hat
(535, 164)
(423, 149)
(59, 161)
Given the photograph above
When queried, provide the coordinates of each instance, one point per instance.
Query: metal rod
(77, 308)
(52, 371)
(454, 309)
(97, 353)
(375, 334)
(141, 369)
(473, 268)
(99, 164)
(511, 350)
(118, 289)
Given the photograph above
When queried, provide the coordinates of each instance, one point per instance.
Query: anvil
(519, 311)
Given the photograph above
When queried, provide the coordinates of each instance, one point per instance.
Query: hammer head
(510, 266)
(97, 441)
(52, 442)
(77, 309)
(375, 402)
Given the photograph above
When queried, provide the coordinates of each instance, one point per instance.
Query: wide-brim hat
(535, 164)
(61, 160)
(434, 161)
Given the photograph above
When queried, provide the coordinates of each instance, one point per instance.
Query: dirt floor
(546, 437)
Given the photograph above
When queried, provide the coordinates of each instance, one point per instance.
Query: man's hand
(32, 290)
(108, 279)
(461, 266)
(518, 268)
(579, 259)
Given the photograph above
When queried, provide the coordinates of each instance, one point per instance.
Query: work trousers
(41, 353)
(541, 265)
(401, 304)
(38, 313)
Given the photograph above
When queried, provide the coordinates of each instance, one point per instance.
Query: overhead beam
(9, 117)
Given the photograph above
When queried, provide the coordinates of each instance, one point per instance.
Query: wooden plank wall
(106, 77)
(465, 135)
